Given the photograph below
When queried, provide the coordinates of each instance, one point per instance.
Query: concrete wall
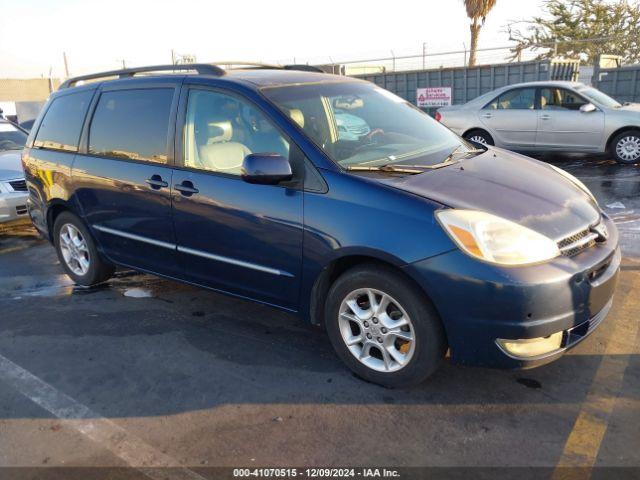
(26, 89)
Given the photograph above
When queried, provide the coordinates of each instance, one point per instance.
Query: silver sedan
(549, 116)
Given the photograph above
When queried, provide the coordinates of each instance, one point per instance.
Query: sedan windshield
(11, 138)
(358, 124)
(599, 97)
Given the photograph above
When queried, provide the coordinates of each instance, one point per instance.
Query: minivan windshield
(599, 97)
(358, 124)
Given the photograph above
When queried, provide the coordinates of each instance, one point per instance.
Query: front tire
(77, 251)
(384, 327)
(625, 147)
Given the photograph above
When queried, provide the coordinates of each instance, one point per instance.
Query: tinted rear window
(132, 124)
(61, 125)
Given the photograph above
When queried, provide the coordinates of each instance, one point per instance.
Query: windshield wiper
(411, 169)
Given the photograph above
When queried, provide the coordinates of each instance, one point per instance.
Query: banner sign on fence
(433, 97)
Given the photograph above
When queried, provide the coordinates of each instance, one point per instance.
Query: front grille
(577, 242)
(18, 185)
(21, 210)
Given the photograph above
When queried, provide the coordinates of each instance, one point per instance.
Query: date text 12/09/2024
(305, 473)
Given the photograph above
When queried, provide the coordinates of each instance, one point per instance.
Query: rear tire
(479, 136)
(625, 147)
(403, 341)
(77, 251)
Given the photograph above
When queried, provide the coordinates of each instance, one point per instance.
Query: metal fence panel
(466, 83)
(622, 83)
(469, 83)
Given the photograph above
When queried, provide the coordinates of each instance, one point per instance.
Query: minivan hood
(10, 165)
(511, 186)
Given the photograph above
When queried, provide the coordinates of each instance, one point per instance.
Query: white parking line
(131, 449)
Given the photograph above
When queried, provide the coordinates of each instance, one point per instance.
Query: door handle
(156, 182)
(186, 188)
(545, 117)
(487, 115)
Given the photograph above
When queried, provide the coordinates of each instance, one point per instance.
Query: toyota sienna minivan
(404, 242)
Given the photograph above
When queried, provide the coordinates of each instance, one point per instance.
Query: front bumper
(480, 303)
(13, 206)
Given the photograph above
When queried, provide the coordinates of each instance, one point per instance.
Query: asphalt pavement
(145, 372)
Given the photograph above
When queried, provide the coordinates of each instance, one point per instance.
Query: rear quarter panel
(48, 176)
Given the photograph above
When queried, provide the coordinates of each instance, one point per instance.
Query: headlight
(496, 240)
(576, 182)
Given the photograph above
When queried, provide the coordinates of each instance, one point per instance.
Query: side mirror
(266, 169)
(588, 108)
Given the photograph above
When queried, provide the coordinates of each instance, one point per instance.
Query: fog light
(531, 347)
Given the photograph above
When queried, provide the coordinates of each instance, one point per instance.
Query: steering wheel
(374, 135)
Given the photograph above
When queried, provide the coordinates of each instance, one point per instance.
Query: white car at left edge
(13, 188)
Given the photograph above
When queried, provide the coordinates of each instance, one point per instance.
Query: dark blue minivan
(326, 196)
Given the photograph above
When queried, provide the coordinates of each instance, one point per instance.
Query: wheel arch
(334, 269)
(613, 135)
(478, 129)
(54, 209)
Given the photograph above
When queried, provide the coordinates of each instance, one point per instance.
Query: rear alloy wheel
(383, 327)
(626, 147)
(77, 251)
(479, 136)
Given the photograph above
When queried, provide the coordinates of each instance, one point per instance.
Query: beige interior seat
(297, 116)
(221, 153)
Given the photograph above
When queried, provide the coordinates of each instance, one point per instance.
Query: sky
(100, 35)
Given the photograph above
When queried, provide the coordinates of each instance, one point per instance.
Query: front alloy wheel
(383, 326)
(377, 330)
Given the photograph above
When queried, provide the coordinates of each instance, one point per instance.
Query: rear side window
(132, 124)
(62, 124)
(517, 99)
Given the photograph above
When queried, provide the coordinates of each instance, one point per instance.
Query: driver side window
(221, 130)
(560, 99)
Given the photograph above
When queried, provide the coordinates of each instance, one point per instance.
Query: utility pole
(424, 54)
(66, 65)
(173, 57)
(123, 64)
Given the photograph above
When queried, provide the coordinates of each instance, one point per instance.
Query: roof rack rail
(303, 67)
(260, 65)
(241, 63)
(201, 68)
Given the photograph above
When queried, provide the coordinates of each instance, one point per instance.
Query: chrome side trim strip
(233, 261)
(131, 236)
(191, 251)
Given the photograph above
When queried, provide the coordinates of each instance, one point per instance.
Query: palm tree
(477, 11)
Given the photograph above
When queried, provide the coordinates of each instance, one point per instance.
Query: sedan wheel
(478, 139)
(74, 250)
(377, 330)
(627, 148)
